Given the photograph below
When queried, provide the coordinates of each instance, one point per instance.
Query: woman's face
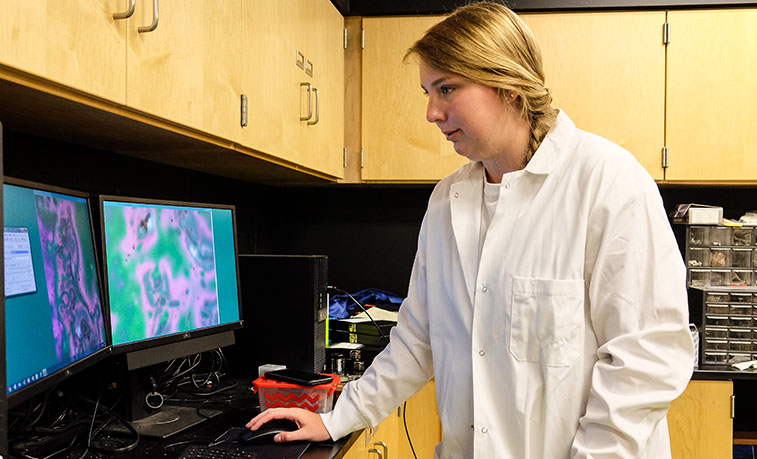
(472, 116)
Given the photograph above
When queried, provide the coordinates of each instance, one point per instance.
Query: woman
(548, 294)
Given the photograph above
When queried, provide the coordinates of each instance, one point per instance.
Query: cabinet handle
(127, 14)
(317, 107)
(154, 24)
(379, 453)
(310, 102)
(384, 447)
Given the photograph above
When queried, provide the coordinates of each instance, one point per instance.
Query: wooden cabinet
(389, 439)
(185, 78)
(700, 421)
(422, 417)
(75, 43)
(712, 89)
(293, 68)
(188, 69)
(607, 71)
(398, 143)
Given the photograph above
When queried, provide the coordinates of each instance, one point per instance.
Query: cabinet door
(358, 450)
(700, 422)
(423, 424)
(269, 75)
(607, 71)
(76, 43)
(398, 143)
(712, 89)
(187, 69)
(320, 39)
(279, 35)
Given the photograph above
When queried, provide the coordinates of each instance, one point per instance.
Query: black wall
(369, 233)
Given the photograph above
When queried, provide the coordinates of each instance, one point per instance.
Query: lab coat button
(507, 185)
(484, 430)
(482, 352)
(457, 195)
(484, 288)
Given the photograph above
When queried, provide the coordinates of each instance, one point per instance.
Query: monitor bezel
(25, 393)
(161, 341)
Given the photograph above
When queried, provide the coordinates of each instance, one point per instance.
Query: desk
(235, 413)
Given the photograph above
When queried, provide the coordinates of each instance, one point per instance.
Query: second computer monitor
(171, 270)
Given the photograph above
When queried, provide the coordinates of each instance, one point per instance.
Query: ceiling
(413, 7)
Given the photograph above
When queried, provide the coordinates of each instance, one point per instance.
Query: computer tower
(284, 307)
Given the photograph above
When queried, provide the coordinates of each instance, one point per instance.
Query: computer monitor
(54, 323)
(171, 282)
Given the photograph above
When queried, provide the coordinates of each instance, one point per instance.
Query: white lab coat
(567, 338)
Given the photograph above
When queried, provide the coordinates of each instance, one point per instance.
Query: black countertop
(237, 406)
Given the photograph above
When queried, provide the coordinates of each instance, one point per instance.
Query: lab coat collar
(548, 153)
(466, 195)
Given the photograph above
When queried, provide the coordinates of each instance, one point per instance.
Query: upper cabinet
(607, 71)
(293, 77)
(712, 90)
(74, 43)
(398, 143)
(187, 69)
(193, 68)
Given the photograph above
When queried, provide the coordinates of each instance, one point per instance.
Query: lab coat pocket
(547, 320)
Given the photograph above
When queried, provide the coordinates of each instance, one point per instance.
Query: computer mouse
(266, 432)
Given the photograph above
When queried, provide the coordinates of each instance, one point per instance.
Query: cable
(91, 426)
(381, 333)
(113, 415)
(407, 432)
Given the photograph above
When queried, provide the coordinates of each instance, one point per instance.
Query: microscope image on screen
(70, 275)
(161, 270)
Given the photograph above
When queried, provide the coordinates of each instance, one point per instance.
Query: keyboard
(215, 452)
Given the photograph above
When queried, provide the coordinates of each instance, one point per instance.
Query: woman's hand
(310, 425)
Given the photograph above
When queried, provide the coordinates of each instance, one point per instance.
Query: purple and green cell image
(161, 270)
(72, 285)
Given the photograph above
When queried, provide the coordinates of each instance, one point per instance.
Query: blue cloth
(342, 306)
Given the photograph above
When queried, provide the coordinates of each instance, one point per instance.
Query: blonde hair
(489, 44)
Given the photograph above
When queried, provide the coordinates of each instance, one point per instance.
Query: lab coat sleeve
(398, 372)
(638, 310)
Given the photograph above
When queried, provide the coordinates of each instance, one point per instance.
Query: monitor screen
(53, 312)
(171, 269)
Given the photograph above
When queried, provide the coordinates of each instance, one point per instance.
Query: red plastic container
(278, 394)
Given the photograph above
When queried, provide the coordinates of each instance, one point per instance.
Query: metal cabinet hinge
(344, 159)
(666, 33)
(362, 157)
(733, 406)
(362, 38)
(244, 111)
(665, 158)
(345, 38)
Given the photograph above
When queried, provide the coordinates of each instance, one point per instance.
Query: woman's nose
(434, 111)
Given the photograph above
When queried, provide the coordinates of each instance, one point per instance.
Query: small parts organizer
(729, 324)
(721, 263)
(721, 256)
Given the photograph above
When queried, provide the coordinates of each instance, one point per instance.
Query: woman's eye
(445, 89)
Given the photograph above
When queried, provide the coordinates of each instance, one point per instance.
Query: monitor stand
(171, 419)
